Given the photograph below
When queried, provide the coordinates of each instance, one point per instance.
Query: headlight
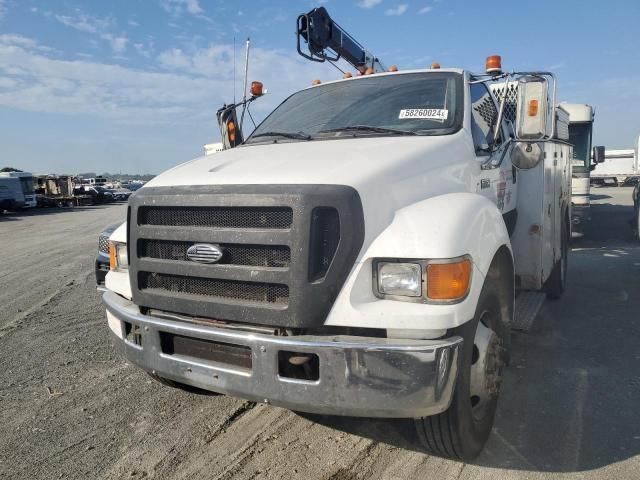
(403, 279)
(430, 281)
(118, 258)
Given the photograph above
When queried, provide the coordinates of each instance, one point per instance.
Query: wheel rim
(486, 368)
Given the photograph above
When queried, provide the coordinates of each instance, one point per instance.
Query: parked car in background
(102, 259)
(98, 194)
(120, 194)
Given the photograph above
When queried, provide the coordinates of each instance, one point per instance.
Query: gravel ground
(70, 407)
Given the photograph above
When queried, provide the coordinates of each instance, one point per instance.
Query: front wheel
(461, 431)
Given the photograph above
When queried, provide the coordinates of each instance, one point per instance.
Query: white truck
(359, 253)
(583, 162)
(621, 167)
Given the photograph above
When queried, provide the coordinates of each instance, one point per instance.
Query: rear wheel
(462, 430)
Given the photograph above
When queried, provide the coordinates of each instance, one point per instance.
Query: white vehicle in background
(620, 167)
(26, 185)
(581, 118)
(359, 253)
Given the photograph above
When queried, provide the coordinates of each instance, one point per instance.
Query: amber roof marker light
(493, 65)
(435, 66)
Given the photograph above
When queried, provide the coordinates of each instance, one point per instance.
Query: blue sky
(133, 85)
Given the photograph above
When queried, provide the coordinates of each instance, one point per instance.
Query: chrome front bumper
(358, 376)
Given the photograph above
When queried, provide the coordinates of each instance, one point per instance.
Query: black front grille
(217, 217)
(276, 256)
(287, 250)
(103, 243)
(253, 292)
(226, 353)
(325, 236)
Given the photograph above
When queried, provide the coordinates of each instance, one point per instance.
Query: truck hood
(387, 172)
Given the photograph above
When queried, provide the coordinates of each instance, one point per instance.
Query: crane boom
(328, 41)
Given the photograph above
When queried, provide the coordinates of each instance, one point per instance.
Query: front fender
(445, 226)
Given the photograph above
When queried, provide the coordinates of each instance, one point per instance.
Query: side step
(528, 305)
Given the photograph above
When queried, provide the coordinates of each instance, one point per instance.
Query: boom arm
(328, 41)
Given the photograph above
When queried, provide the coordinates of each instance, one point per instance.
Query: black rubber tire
(455, 433)
(557, 281)
(181, 386)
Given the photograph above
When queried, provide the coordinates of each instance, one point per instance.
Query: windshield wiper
(294, 135)
(370, 128)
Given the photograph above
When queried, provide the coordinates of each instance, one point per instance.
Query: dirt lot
(70, 407)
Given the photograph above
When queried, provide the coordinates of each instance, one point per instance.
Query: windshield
(27, 184)
(580, 138)
(413, 103)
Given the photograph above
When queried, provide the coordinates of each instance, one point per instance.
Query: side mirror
(526, 155)
(598, 154)
(229, 127)
(532, 108)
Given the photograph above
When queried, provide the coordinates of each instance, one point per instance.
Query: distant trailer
(619, 167)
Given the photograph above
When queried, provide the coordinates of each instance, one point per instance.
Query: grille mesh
(511, 103)
(268, 293)
(217, 217)
(233, 254)
(103, 244)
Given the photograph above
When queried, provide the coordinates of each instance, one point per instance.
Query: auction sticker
(424, 113)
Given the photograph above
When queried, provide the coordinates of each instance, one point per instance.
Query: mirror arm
(496, 161)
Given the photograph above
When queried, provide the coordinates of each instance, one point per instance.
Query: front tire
(462, 431)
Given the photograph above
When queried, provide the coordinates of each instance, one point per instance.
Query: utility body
(358, 254)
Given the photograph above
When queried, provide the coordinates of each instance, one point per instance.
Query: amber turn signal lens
(112, 256)
(533, 108)
(231, 128)
(448, 281)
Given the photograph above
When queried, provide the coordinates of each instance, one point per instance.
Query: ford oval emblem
(204, 253)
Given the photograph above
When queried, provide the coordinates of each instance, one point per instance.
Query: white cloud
(144, 50)
(424, 10)
(133, 23)
(102, 27)
(369, 3)
(85, 23)
(189, 88)
(3, 8)
(177, 7)
(20, 41)
(397, 11)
